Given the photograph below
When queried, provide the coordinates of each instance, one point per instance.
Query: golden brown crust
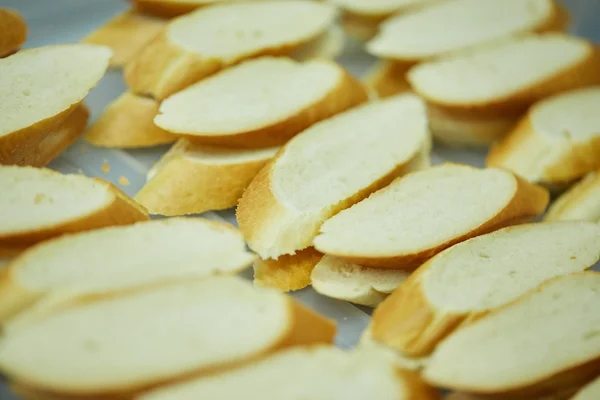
(562, 208)
(288, 272)
(388, 78)
(14, 31)
(166, 8)
(360, 27)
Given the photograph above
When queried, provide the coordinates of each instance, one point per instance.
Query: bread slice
(387, 78)
(128, 122)
(145, 253)
(288, 272)
(329, 45)
(306, 373)
(542, 343)
(417, 216)
(590, 391)
(194, 178)
(580, 202)
(557, 142)
(14, 31)
(336, 278)
(260, 103)
(212, 38)
(41, 99)
(478, 275)
(172, 8)
(126, 35)
(329, 167)
(157, 335)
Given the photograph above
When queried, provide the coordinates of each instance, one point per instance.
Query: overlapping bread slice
(212, 38)
(580, 202)
(14, 31)
(557, 142)
(329, 167)
(37, 102)
(260, 103)
(544, 342)
(471, 278)
(288, 272)
(58, 272)
(306, 373)
(590, 391)
(425, 212)
(157, 335)
(387, 78)
(193, 178)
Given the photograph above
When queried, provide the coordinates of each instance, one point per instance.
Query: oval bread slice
(580, 202)
(14, 31)
(288, 272)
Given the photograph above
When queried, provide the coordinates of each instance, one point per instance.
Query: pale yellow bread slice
(288, 272)
(194, 178)
(425, 212)
(580, 202)
(590, 391)
(205, 41)
(73, 266)
(39, 100)
(126, 35)
(387, 78)
(557, 142)
(328, 45)
(544, 342)
(157, 335)
(260, 103)
(128, 122)
(328, 167)
(481, 274)
(336, 278)
(14, 31)
(317, 373)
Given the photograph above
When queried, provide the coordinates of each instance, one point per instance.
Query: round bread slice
(14, 31)
(580, 202)
(421, 214)
(288, 272)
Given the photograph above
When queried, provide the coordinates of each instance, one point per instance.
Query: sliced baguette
(543, 343)
(212, 38)
(14, 31)
(329, 167)
(425, 212)
(156, 336)
(557, 142)
(128, 122)
(342, 280)
(387, 78)
(288, 272)
(260, 103)
(580, 202)
(193, 178)
(146, 253)
(481, 274)
(328, 45)
(590, 391)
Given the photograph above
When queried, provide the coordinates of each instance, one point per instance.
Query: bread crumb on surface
(123, 181)
(105, 166)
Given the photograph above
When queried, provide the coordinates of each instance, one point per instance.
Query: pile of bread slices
(332, 179)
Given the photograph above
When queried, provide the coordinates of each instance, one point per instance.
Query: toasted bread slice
(128, 122)
(261, 102)
(201, 43)
(157, 335)
(14, 31)
(194, 178)
(421, 214)
(545, 342)
(39, 100)
(580, 202)
(387, 78)
(557, 142)
(126, 35)
(481, 274)
(328, 45)
(146, 253)
(288, 272)
(590, 391)
(329, 167)
(342, 280)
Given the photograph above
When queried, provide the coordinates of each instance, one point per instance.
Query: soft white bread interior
(423, 213)
(288, 272)
(156, 336)
(387, 78)
(545, 342)
(307, 373)
(261, 102)
(580, 202)
(41, 99)
(328, 45)
(481, 274)
(199, 44)
(194, 178)
(144, 254)
(328, 167)
(590, 391)
(14, 31)
(558, 141)
(336, 278)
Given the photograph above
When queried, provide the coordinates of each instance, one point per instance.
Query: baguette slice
(39, 100)
(260, 103)
(557, 142)
(590, 391)
(307, 373)
(126, 35)
(194, 178)
(580, 202)
(329, 167)
(14, 31)
(387, 78)
(147, 253)
(212, 38)
(128, 122)
(417, 216)
(288, 272)
(481, 274)
(156, 336)
(336, 278)
(545, 342)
